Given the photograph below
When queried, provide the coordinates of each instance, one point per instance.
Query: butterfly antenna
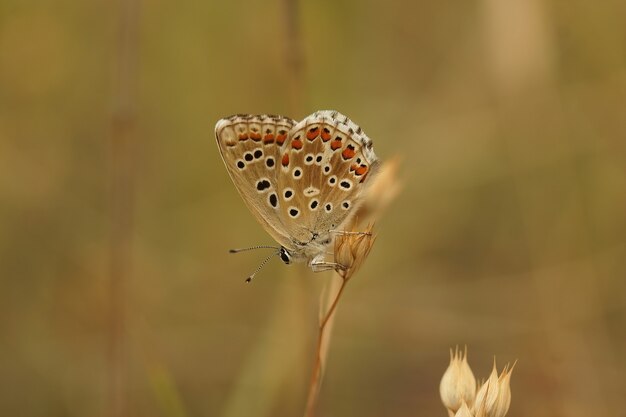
(252, 248)
(266, 260)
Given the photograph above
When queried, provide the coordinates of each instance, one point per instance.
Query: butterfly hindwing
(325, 165)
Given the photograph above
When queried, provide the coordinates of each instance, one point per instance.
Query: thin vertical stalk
(294, 58)
(122, 178)
(324, 332)
(294, 63)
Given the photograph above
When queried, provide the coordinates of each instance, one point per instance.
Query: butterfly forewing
(250, 146)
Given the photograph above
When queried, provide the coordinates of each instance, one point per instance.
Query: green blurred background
(117, 297)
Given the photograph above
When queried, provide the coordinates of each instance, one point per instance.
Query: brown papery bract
(351, 250)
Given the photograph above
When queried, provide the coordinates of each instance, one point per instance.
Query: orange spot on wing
(354, 167)
(296, 144)
(336, 144)
(348, 152)
(363, 179)
(280, 139)
(285, 160)
(362, 170)
(255, 136)
(243, 136)
(313, 133)
(269, 138)
(325, 135)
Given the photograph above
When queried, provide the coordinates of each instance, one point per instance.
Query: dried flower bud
(458, 384)
(487, 394)
(494, 396)
(501, 407)
(464, 411)
(351, 250)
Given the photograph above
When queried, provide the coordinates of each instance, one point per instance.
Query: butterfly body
(302, 180)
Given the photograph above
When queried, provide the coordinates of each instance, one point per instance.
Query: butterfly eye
(285, 256)
(308, 160)
(345, 205)
(258, 153)
(248, 156)
(332, 180)
(328, 207)
(346, 184)
(313, 205)
(318, 158)
(326, 169)
(269, 162)
(297, 172)
(241, 164)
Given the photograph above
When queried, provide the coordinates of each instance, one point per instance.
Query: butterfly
(302, 180)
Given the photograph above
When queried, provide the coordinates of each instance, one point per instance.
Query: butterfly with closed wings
(302, 180)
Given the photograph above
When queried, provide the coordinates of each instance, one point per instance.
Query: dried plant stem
(294, 58)
(122, 192)
(323, 335)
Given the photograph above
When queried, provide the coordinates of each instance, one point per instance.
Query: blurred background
(118, 298)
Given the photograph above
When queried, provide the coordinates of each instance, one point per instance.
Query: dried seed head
(487, 394)
(458, 389)
(501, 407)
(351, 250)
(458, 384)
(494, 396)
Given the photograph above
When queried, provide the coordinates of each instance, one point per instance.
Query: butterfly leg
(350, 233)
(318, 264)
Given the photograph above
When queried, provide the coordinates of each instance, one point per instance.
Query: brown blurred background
(117, 297)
